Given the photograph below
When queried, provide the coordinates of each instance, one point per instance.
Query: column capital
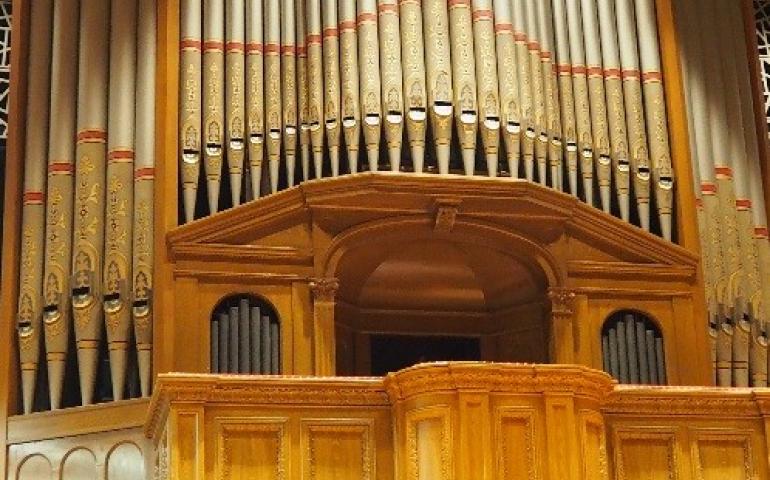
(324, 289)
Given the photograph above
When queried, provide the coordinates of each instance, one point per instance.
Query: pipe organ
(88, 198)
(632, 349)
(563, 90)
(731, 209)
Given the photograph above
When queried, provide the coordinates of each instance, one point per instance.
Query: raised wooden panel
(718, 456)
(125, 462)
(337, 450)
(80, 463)
(429, 444)
(515, 443)
(594, 446)
(35, 467)
(644, 454)
(252, 448)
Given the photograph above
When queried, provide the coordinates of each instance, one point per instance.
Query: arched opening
(433, 297)
(632, 349)
(245, 336)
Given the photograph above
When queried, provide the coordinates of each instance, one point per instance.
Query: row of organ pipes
(632, 350)
(732, 217)
(87, 217)
(568, 93)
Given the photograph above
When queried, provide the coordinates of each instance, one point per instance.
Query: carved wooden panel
(253, 448)
(516, 444)
(646, 454)
(337, 450)
(429, 444)
(721, 455)
(114, 455)
(594, 446)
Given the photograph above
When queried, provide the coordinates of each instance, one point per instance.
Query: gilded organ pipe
(510, 104)
(438, 63)
(487, 82)
(289, 87)
(553, 114)
(213, 97)
(316, 80)
(525, 89)
(144, 197)
(567, 99)
(416, 101)
(255, 106)
(190, 121)
(302, 90)
(30, 308)
(331, 73)
(464, 78)
(91, 160)
(57, 318)
(273, 89)
(369, 69)
(118, 234)
(349, 75)
(539, 113)
(392, 79)
(235, 61)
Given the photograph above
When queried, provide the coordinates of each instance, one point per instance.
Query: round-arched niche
(436, 298)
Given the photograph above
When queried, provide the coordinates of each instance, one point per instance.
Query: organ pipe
(369, 64)
(413, 46)
(567, 105)
(349, 75)
(57, 318)
(235, 61)
(487, 83)
(30, 310)
(273, 88)
(538, 92)
(439, 77)
(525, 89)
(392, 81)
(302, 88)
(144, 199)
(315, 71)
(119, 194)
(213, 97)
(91, 160)
(289, 87)
(190, 103)
(255, 107)
(510, 105)
(464, 77)
(331, 72)
(553, 115)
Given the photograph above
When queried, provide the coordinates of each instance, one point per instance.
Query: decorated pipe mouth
(256, 138)
(141, 307)
(236, 143)
(190, 156)
(113, 302)
(417, 114)
(442, 108)
(51, 313)
(349, 121)
(513, 126)
(82, 297)
(394, 116)
(214, 149)
(372, 119)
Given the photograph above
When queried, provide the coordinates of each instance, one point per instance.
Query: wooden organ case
(239, 188)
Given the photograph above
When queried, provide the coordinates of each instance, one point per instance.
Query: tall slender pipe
(369, 64)
(486, 81)
(464, 77)
(302, 89)
(273, 89)
(289, 87)
(551, 92)
(235, 95)
(316, 80)
(331, 56)
(413, 60)
(213, 97)
(567, 98)
(351, 110)
(255, 91)
(525, 88)
(438, 62)
(392, 79)
(510, 103)
(190, 120)
(540, 119)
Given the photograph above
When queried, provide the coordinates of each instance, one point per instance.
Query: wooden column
(561, 340)
(324, 293)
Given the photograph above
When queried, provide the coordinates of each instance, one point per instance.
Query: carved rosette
(562, 303)
(324, 289)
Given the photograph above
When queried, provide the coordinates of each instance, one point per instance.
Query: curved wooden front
(455, 421)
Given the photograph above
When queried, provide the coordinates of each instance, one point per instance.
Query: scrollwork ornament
(324, 289)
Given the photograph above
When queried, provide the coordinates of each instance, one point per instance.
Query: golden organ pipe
(213, 96)
(597, 97)
(273, 88)
(369, 68)
(234, 90)
(655, 109)
(91, 159)
(392, 81)
(190, 103)
(538, 93)
(289, 84)
(616, 115)
(120, 193)
(438, 63)
(487, 83)
(413, 46)
(351, 111)
(331, 73)
(567, 99)
(509, 90)
(525, 88)
(582, 103)
(59, 206)
(553, 114)
(30, 308)
(302, 90)
(632, 92)
(144, 176)
(255, 106)
(464, 78)
(315, 76)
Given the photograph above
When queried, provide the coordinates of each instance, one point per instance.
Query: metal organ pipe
(438, 63)
(464, 77)
(234, 93)
(331, 72)
(273, 88)
(369, 65)
(392, 82)
(302, 89)
(190, 121)
(525, 89)
(487, 82)
(510, 104)
(315, 69)
(255, 106)
(289, 87)
(553, 114)
(351, 111)
(416, 101)
(213, 97)
(539, 119)
(567, 98)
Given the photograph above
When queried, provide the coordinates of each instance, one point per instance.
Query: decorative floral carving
(324, 289)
